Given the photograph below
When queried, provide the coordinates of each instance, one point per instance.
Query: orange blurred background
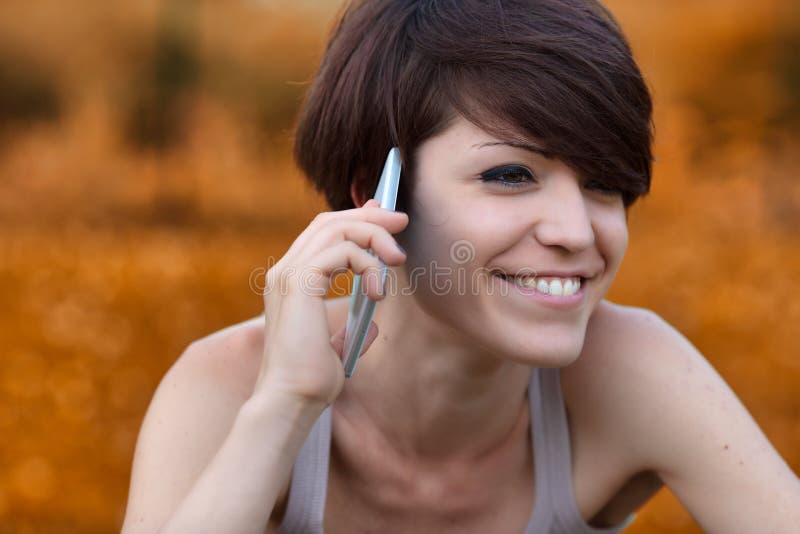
(144, 174)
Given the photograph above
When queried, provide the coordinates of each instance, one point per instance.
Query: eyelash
(497, 174)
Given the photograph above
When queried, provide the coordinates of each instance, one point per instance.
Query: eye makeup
(514, 176)
(510, 176)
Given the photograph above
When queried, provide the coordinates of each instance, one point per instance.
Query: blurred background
(145, 173)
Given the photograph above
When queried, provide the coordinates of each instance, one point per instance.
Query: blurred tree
(28, 92)
(161, 97)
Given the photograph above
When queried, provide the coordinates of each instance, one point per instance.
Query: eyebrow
(519, 144)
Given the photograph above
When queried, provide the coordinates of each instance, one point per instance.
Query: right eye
(509, 176)
(604, 189)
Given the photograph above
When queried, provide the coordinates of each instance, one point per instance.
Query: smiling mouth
(547, 285)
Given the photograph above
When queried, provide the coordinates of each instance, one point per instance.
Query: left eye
(508, 176)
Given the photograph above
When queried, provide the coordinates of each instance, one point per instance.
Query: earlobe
(357, 195)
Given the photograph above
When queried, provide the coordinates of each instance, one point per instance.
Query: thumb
(337, 340)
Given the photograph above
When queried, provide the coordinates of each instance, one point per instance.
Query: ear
(357, 195)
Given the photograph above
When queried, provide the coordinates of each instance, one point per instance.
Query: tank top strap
(555, 439)
(306, 507)
(555, 510)
(542, 516)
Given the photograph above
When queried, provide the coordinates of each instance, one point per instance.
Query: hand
(300, 357)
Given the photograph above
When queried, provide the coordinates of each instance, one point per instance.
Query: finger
(364, 234)
(392, 221)
(313, 276)
(337, 340)
(372, 335)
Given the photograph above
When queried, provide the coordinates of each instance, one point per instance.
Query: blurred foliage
(158, 112)
(28, 93)
(753, 78)
(145, 174)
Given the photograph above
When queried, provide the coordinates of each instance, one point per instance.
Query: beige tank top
(554, 509)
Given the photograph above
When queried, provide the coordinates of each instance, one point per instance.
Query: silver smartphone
(362, 307)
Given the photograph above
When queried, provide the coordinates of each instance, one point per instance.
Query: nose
(565, 219)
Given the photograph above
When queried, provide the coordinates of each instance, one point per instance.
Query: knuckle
(322, 218)
(334, 228)
(272, 275)
(386, 234)
(373, 262)
(351, 247)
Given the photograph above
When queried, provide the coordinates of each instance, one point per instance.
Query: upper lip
(560, 273)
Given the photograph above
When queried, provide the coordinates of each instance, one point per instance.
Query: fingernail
(401, 249)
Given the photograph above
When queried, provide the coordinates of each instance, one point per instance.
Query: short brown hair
(396, 71)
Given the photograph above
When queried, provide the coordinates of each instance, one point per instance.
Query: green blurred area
(145, 175)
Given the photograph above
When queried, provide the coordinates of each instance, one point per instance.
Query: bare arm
(207, 459)
(712, 454)
(239, 488)
(683, 421)
(228, 420)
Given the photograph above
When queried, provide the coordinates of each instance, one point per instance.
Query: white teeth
(556, 286)
(543, 287)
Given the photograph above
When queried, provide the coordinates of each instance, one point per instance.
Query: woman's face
(482, 205)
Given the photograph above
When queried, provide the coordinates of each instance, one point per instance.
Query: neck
(431, 393)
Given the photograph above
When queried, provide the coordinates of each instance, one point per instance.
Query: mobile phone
(362, 307)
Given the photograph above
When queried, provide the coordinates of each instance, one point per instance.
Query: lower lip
(552, 301)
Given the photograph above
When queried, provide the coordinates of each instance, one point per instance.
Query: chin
(542, 350)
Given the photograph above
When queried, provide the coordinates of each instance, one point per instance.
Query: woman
(503, 392)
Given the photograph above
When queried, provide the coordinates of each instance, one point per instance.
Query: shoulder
(216, 372)
(191, 414)
(642, 388)
(635, 365)
(228, 361)
(630, 339)
(622, 344)
(220, 368)
(228, 358)
(623, 341)
(189, 417)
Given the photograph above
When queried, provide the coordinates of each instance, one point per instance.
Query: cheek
(617, 233)
(612, 239)
(455, 233)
